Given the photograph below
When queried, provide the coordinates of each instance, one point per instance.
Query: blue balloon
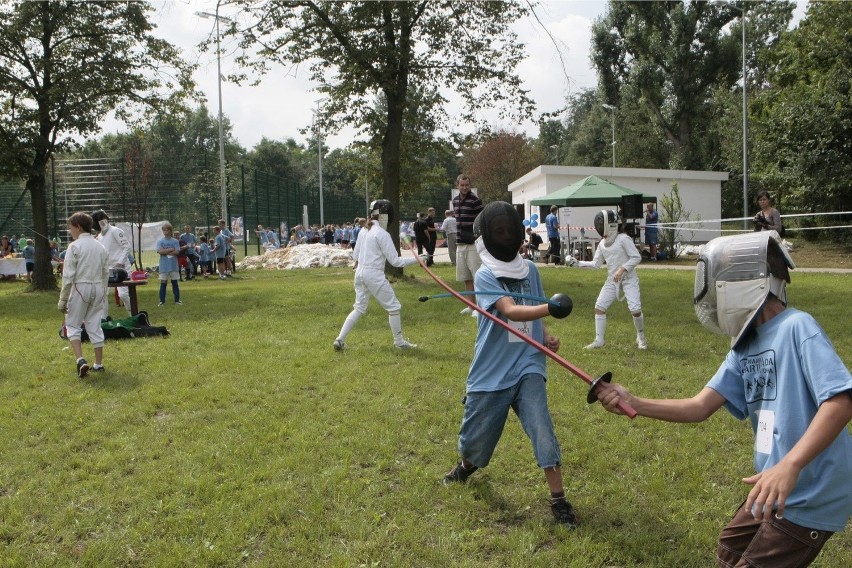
(534, 217)
(534, 224)
(526, 222)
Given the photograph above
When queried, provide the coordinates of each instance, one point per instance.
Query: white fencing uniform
(622, 253)
(372, 249)
(84, 287)
(118, 248)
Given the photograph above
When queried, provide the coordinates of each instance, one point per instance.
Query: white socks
(350, 322)
(639, 324)
(600, 328)
(395, 322)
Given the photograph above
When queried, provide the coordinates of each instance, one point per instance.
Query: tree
(497, 161)
(803, 124)
(63, 67)
(673, 54)
(359, 50)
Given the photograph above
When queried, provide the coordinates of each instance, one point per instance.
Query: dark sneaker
(459, 474)
(82, 368)
(97, 369)
(564, 513)
(339, 345)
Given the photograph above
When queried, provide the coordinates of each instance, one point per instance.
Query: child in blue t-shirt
(783, 374)
(507, 372)
(168, 248)
(28, 253)
(205, 257)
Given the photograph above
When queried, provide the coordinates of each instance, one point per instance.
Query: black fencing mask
(501, 229)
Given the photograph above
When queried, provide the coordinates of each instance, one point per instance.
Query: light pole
(319, 157)
(224, 189)
(555, 149)
(611, 110)
(745, 110)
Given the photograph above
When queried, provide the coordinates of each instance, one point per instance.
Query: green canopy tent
(588, 192)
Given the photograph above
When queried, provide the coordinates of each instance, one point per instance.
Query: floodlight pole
(222, 178)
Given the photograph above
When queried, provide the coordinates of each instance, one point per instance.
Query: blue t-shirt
(221, 244)
(651, 223)
(205, 252)
(168, 263)
(29, 253)
(500, 358)
(552, 222)
(778, 378)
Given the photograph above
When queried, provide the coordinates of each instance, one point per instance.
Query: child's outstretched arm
(695, 409)
(559, 306)
(773, 486)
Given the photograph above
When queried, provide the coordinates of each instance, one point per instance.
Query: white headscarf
(517, 268)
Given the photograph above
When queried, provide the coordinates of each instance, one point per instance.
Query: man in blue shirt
(552, 224)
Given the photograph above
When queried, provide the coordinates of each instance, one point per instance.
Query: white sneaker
(405, 345)
(474, 313)
(594, 345)
(338, 345)
(467, 311)
(641, 342)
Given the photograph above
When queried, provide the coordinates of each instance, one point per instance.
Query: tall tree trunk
(43, 278)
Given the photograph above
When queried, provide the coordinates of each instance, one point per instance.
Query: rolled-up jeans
(485, 415)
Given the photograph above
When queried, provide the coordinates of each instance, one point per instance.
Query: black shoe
(564, 513)
(459, 474)
(82, 368)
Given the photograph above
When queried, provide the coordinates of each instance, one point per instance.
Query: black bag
(782, 232)
(117, 275)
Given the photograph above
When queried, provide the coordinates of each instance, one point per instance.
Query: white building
(700, 193)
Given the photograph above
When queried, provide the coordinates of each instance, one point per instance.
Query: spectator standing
(768, 218)
(168, 248)
(191, 251)
(118, 248)
(229, 246)
(373, 249)
(421, 235)
(651, 220)
(84, 290)
(783, 375)
(28, 253)
(450, 229)
(220, 250)
(431, 236)
(552, 224)
(466, 206)
(205, 256)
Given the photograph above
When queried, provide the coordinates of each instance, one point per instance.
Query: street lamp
(611, 110)
(745, 112)
(366, 185)
(319, 157)
(555, 149)
(224, 189)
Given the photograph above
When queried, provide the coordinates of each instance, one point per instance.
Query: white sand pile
(299, 256)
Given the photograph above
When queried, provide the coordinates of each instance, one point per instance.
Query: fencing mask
(606, 224)
(501, 229)
(382, 210)
(733, 278)
(101, 220)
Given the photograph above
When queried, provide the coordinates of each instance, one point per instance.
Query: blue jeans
(485, 416)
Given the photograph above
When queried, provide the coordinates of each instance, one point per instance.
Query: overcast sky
(282, 103)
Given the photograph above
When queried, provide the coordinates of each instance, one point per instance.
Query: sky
(283, 102)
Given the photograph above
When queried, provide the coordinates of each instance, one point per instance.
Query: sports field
(243, 439)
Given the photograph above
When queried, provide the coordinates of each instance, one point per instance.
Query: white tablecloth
(12, 266)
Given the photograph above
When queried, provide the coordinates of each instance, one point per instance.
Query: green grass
(244, 439)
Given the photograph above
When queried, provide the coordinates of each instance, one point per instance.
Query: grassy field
(243, 439)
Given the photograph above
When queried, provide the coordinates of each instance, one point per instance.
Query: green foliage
(673, 212)
(398, 52)
(63, 67)
(244, 439)
(803, 122)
